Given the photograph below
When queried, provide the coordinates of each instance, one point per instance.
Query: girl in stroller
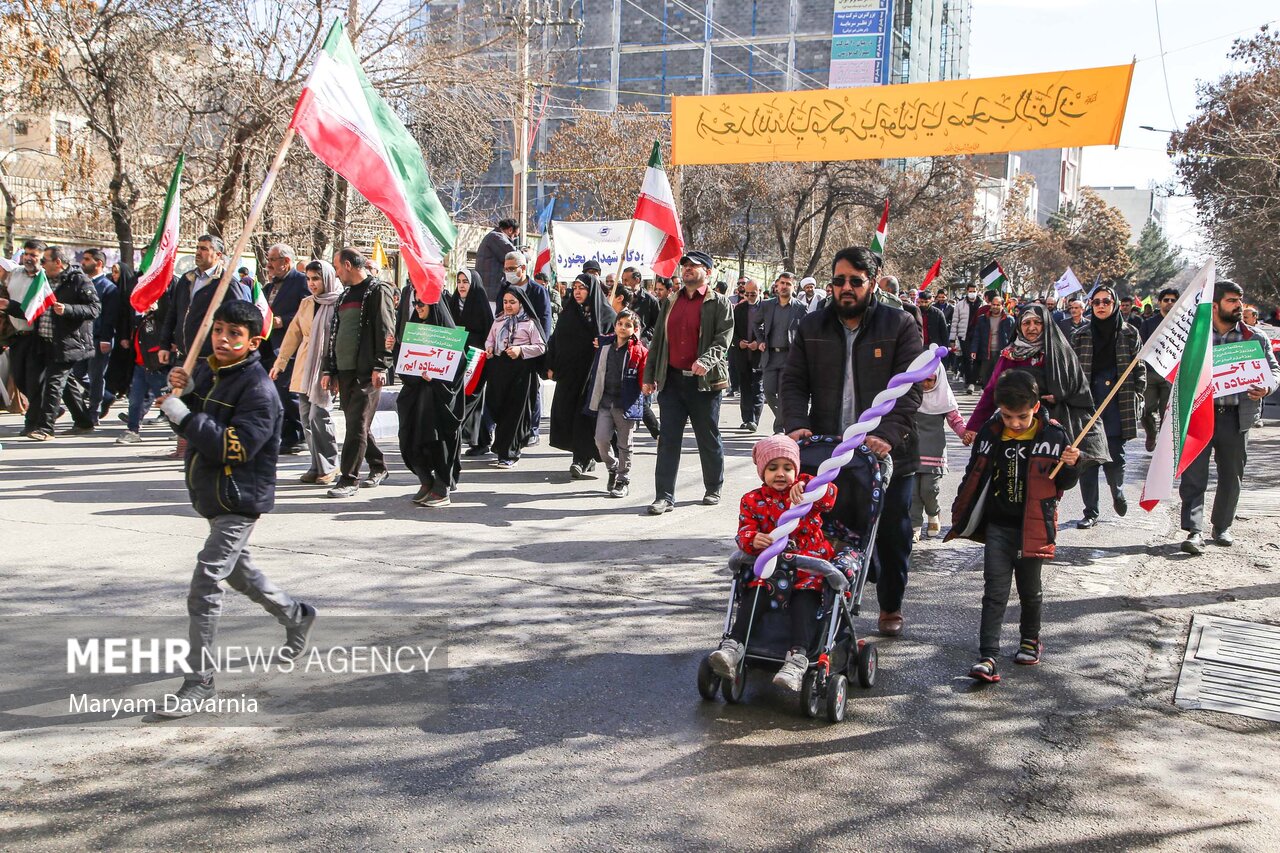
(777, 459)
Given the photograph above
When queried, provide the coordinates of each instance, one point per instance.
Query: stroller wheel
(733, 690)
(810, 695)
(868, 665)
(708, 681)
(837, 693)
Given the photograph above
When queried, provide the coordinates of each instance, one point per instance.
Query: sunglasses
(1169, 299)
(840, 281)
(1101, 302)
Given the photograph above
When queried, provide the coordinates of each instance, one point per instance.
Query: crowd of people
(663, 353)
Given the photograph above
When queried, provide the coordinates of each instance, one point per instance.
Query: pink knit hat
(775, 447)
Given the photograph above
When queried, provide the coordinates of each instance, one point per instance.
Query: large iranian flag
(157, 263)
(348, 126)
(1181, 350)
(657, 225)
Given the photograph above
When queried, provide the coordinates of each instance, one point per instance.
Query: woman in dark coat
(430, 412)
(119, 375)
(1041, 349)
(570, 354)
(1105, 348)
(472, 311)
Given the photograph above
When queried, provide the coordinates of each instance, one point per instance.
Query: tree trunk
(122, 198)
(320, 231)
(10, 218)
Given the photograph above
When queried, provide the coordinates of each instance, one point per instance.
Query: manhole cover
(1233, 666)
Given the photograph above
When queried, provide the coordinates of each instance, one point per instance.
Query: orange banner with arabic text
(1059, 109)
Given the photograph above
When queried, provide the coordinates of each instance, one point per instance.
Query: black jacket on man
(935, 324)
(73, 329)
(490, 257)
(743, 318)
(183, 321)
(812, 386)
(233, 438)
(646, 306)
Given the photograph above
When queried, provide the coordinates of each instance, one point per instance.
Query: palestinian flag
(353, 131)
(33, 295)
(156, 271)
(260, 302)
(882, 231)
(657, 225)
(993, 278)
(1181, 350)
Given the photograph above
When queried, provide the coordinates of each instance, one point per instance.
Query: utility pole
(523, 18)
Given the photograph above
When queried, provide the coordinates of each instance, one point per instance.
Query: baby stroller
(837, 653)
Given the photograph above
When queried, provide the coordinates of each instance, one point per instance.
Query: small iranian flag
(657, 225)
(543, 263)
(34, 295)
(260, 302)
(1181, 350)
(353, 131)
(156, 271)
(882, 231)
(993, 277)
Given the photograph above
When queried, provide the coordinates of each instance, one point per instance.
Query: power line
(1164, 68)
(1209, 40)
(649, 14)
(742, 42)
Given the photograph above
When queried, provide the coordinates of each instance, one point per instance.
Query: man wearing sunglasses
(1156, 397)
(841, 357)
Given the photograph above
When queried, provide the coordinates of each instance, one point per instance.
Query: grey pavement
(566, 716)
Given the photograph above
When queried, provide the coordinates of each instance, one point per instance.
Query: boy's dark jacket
(632, 400)
(233, 438)
(1040, 512)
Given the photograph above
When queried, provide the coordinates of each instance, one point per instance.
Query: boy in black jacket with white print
(230, 414)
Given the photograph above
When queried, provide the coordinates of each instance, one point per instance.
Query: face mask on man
(513, 276)
(971, 296)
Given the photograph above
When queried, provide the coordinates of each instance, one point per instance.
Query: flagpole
(622, 259)
(1115, 389)
(255, 212)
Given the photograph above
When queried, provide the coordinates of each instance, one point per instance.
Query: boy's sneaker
(725, 660)
(1028, 653)
(791, 676)
(129, 437)
(295, 638)
(187, 700)
(985, 670)
(620, 489)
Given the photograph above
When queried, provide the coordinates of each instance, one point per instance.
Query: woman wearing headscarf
(570, 354)
(430, 413)
(515, 346)
(1105, 348)
(1040, 348)
(471, 310)
(307, 339)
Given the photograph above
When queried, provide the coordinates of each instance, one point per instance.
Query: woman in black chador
(570, 355)
(430, 412)
(471, 310)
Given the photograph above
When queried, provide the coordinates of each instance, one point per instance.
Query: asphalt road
(562, 712)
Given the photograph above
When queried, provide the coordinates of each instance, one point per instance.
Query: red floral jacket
(759, 513)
